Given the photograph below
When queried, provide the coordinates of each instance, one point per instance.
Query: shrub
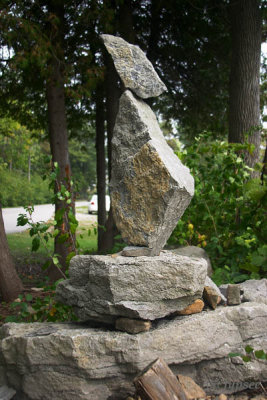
(227, 214)
(16, 190)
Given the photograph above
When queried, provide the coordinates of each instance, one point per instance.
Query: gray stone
(195, 252)
(75, 362)
(132, 325)
(135, 251)
(135, 70)
(6, 393)
(150, 187)
(254, 290)
(209, 282)
(104, 288)
(233, 295)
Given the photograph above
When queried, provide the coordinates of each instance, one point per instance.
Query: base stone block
(76, 361)
(103, 288)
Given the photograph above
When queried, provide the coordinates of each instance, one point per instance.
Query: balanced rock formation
(135, 70)
(150, 187)
(104, 288)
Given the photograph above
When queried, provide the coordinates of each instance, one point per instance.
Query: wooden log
(157, 382)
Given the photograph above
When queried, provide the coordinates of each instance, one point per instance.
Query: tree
(10, 283)
(244, 108)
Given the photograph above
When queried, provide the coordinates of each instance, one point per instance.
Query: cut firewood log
(157, 382)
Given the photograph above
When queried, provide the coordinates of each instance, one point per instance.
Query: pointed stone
(150, 187)
(135, 70)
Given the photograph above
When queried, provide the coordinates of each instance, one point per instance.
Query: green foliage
(40, 309)
(16, 190)
(226, 215)
(250, 354)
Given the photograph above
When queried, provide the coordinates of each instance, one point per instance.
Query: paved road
(41, 213)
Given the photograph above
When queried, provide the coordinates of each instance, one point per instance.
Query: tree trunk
(244, 107)
(112, 104)
(58, 135)
(10, 283)
(100, 166)
(113, 92)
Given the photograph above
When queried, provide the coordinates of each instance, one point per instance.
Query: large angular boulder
(104, 287)
(71, 361)
(135, 70)
(150, 187)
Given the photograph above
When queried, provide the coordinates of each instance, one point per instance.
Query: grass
(20, 244)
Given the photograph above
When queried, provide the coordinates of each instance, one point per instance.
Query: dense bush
(227, 215)
(16, 190)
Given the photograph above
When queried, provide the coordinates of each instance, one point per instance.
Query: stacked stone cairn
(150, 190)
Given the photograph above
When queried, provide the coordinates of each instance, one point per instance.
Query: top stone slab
(135, 70)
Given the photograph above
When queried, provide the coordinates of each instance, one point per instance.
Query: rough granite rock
(81, 363)
(254, 290)
(135, 70)
(104, 288)
(195, 252)
(150, 187)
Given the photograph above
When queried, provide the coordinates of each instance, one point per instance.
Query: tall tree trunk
(58, 135)
(100, 166)
(114, 89)
(244, 107)
(112, 104)
(10, 283)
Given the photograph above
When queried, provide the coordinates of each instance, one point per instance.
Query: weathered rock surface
(194, 252)
(74, 362)
(104, 288)
(150, 187)
(254, 290)
(135, 70)
(6, 393)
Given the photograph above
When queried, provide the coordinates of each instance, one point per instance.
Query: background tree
(10, 283)
(244, 109)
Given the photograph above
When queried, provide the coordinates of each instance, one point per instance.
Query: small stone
(233, 295)
(222, 397)
(211, 297)
(135, 70)
(132, 325)
(191, 389)
(135, 251)
(193, 308)
(209, 282)
(37, 289)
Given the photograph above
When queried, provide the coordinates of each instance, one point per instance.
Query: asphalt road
(41, 213)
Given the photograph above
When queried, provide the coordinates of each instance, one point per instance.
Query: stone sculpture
(150, 187)
(150, 190)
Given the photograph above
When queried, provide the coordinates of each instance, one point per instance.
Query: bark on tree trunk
(244, 107)
(112, 104)
(58, 137)
(114, 90)
(100, 166)
(10, 283)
